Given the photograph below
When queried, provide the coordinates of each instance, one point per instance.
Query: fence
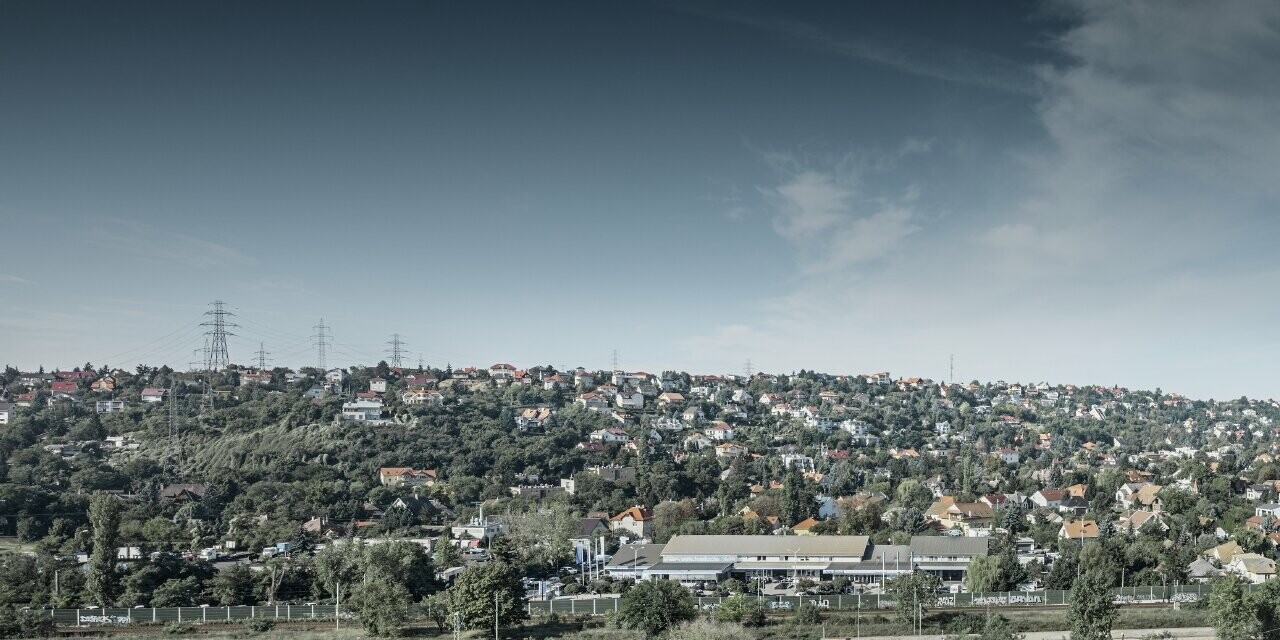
(160, 615)
(1127, 595)
(602, 606)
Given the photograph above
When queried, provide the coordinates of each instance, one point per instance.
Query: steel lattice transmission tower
(262, 354)
(396, 351)
(323, 340)
(217, 358)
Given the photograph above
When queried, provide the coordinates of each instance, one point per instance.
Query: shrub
(260, 625)
(743, 609)
(807, 613)
(179, 628)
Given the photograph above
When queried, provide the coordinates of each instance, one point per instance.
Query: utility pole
(495, 616)
(217, 358)
(337, 605)
(396, 351)
(262, 357)
(323, 340)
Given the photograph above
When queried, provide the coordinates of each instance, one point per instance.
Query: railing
(602, 606)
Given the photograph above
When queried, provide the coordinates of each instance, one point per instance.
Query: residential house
(1079, 530)
(363, 410)
(669, 398)
(593, 401)
(1252, 567)
(1047, 498)
(1007, 455)
(407, 476)
(613, 473)
(154, 394)
(1144, 495)
(534, 418)
(805, 527)
(719, 431)
(629, 400)
(697, 441)
(636, 521)
(188, 492)
(612, 435)
(378, 385)
(105, 384)
(728, 450)
(422, 396)
(502, 372)
(8, 411)
(66, 387)
(109, 406)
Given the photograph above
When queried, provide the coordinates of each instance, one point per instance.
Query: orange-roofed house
(805, 527)
(1079, 530)
(636, 521)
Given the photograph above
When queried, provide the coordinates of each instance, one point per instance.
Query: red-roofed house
(636, 521)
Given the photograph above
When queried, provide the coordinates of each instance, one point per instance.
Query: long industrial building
(707, 559)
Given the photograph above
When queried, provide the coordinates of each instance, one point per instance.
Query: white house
(719, 431)
(630, 400)
(1008, 456)
(109, 406)
(421, 396)
(7, 411)
(362, 411)
(377, 385)
(610, 435)
(153, 394)
(502, 372)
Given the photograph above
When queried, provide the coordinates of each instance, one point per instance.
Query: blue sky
(1065, 191)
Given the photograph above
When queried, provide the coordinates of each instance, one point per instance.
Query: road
(1186, 633)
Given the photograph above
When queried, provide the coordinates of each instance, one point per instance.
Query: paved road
(1187, 633)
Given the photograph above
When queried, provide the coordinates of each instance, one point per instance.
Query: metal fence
(602, 606)
(1127, 595)
(161, 615)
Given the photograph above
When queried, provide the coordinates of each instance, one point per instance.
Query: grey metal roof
(949, 546)
(699, 567)
(833, 546)
(630, 556)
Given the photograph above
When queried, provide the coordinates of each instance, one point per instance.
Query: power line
(396, 351)
(323, 341)
(217, 357)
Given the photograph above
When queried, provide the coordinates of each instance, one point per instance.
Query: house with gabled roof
(636, 521)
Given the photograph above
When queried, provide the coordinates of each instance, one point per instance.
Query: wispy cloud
(6, 278)
(147, 242)
(951, 64)
(821, 213)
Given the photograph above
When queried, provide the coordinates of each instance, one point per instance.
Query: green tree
(1093, 607)
(447, 554)
(233, 586)
(475, 591)
(913, 592)
(742, 608)
(983, 574)
(654, 606)
(382, 605)
(1230, 611)
(103, 582)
